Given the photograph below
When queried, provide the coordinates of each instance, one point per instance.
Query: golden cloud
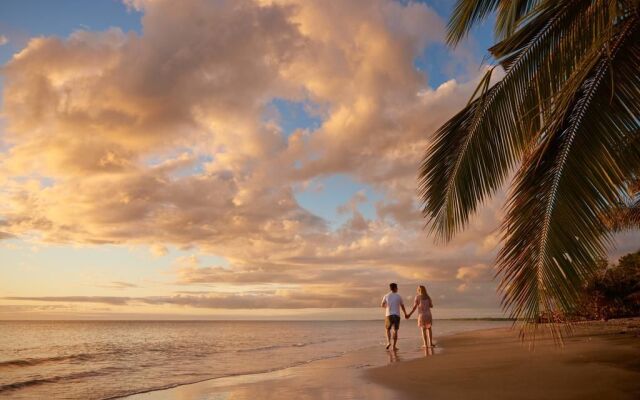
(159, 138)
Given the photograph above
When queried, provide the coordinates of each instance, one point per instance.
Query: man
(393, 302)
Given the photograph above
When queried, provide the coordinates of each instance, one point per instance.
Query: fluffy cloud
(161, 138)
(472, 276)
(119, 285)
(472, 273)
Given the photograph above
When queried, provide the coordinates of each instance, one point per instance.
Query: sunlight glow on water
(102, 359)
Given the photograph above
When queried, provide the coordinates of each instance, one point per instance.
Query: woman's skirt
(424, 320)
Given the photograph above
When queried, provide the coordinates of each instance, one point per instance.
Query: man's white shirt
(393, 302)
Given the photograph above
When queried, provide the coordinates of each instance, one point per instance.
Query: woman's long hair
(423, 293)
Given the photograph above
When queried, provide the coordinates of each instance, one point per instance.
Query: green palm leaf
(472, 154)
(566, 112)
(552, 234)
(468, 13)
(510, 15)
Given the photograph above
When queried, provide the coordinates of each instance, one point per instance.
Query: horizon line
(245, 320)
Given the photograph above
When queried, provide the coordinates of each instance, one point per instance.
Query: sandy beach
(600, 361)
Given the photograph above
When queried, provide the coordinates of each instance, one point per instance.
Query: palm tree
(563, 122)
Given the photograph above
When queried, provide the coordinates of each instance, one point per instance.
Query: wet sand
(336, 378)
(600, 361)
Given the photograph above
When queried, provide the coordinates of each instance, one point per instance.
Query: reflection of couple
(392, 301)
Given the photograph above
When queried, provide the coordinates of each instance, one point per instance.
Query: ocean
(110, 359)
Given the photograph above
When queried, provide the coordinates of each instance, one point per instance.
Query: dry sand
(600, 361)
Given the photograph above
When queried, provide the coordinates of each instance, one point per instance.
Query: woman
(424, 304)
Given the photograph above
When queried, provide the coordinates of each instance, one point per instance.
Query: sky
(230, 159)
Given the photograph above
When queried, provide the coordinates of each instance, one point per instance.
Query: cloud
(6, 235)
(118, 285)
(291, 299)
(3, 40)
(113, 300)
(159, 139)
(280, 274)
(27, 308)
(334, 295)
(158, 250)
(473, 272)
(473, 275)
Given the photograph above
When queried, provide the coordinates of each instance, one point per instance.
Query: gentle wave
(121, 359)
(27, 362)
(250, 373)
(284, 346)
(105, 371)
(54, 379)
(232, 375)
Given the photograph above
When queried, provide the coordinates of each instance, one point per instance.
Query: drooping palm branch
(626, 216)
(566, 115)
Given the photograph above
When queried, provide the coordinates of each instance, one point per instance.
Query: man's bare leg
(395, 339)
(388, 332)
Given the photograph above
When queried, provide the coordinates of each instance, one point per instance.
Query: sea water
(107, 359)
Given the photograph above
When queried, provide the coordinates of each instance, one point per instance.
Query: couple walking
(392, 301)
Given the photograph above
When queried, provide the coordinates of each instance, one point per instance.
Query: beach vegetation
(613, 291)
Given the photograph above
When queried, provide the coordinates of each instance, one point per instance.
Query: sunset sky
(230, 159)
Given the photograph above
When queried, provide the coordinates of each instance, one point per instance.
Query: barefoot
(395, 349)
(388, 344)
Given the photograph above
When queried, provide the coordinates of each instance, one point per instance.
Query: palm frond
(467, 13)
(472, 154)
(552, 233)
(626, 215)
(510, 15)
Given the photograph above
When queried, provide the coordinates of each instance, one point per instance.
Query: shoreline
(242, 377)
(287, 382)
(347, 367)
(483, 363)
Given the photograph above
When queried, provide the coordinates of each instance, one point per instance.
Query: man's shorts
(392, 321)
